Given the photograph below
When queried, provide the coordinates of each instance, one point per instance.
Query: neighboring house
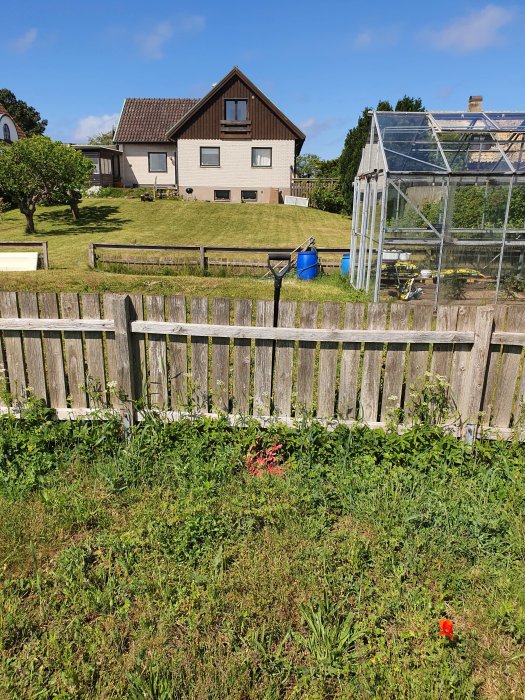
(106, 159)
(9, 129)
(231, 145)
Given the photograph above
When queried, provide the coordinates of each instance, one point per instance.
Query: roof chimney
(475, 103)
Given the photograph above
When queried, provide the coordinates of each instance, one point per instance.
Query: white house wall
(235, 172)
(5, 119)
(135, 164)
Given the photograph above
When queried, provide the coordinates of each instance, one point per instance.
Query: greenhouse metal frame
(445, 193)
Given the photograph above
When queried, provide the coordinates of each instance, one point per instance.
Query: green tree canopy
(35, 169)
(103, 138)
(24, 115)
(357, 138)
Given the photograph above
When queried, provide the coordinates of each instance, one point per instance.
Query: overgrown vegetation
(158, 564)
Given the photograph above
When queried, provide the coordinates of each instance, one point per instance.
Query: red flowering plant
(446, 628)
(262, 459)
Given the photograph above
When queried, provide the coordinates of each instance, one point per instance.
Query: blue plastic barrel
(345, 264)
(307, 264)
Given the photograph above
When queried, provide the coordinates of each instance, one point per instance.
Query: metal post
(441, 244)
(355, 219)
(504, 237)
(380, 243)
(362, 239)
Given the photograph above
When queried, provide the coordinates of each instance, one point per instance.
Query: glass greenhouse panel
(468, 273)
(412, 200)
(508, 121)
(516, 223)
(409, 143)
(512, 282)
(477, 207)
(473, 153)
(513, 145)
(463, 121)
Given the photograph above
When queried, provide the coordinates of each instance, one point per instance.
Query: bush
(329, 199)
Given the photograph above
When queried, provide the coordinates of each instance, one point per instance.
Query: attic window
(7, 133)
(236, 110)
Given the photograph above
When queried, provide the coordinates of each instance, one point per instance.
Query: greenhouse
(439, 207)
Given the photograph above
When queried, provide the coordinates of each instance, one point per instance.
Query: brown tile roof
(21, 133)
(147, 120)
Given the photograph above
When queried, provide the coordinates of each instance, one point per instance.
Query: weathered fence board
(395, 363)
(220, 358)
(350, 358)
(283, 375)
(56, 380)
(199, 357)
(306, 358)
(328, 363)
(36, 376)
(178, 354)
(262, 382)
(372, 362)
(96, 378)
(157, 356)
(74, 352)
(14, 356)
(242, 316)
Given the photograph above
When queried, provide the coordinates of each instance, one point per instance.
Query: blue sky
(320, 62)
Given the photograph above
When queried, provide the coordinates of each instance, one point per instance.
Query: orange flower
(446, 627)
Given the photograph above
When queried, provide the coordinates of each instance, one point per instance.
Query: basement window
(221, 195)
(248, 195)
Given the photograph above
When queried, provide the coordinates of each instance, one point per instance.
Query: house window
(94, 159)
(261, 157)
(7, 133)
(221, 195)
(236, 110)
(158, 162)
(210, 157)
(248, 195)
(105, 165)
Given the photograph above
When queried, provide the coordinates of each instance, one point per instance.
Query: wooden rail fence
(304, 186)
(201, 257)
(81, 353)
(41, 245)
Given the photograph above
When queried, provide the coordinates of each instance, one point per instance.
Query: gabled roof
(21, 133)
(147, 120)
(200, 104)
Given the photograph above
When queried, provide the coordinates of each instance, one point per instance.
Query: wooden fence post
(45, 256)
(92, 261)
(478, 368)
(202, 258)
(123, 356)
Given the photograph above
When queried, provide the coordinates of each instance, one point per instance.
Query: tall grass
(153, 565)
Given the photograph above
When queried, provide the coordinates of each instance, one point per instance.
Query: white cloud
(25, 41)
(89, 126)
(151, 45)
(379, 37)
(312, 127)
(190, 23)
(478, 30)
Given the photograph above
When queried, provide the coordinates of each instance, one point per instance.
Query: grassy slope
(171, 222)
(159, 568)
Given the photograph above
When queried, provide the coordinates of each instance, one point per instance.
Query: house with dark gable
(9, 129)
(232, 145)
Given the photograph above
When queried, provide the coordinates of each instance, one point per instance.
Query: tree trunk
(73, 203)
(29, 213)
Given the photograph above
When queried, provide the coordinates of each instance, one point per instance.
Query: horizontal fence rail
(198, 256)
(337, 362)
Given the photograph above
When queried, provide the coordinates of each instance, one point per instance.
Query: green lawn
(173, 222)
(157, 567)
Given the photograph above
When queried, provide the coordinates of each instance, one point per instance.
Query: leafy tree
(24, 115)
(409, 104)
(35, 169)
(357, 138)
(307, 165)
(103, 138)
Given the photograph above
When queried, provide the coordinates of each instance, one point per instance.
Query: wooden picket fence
(348, 362)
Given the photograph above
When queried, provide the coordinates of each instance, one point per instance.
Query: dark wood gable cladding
(209, 121)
